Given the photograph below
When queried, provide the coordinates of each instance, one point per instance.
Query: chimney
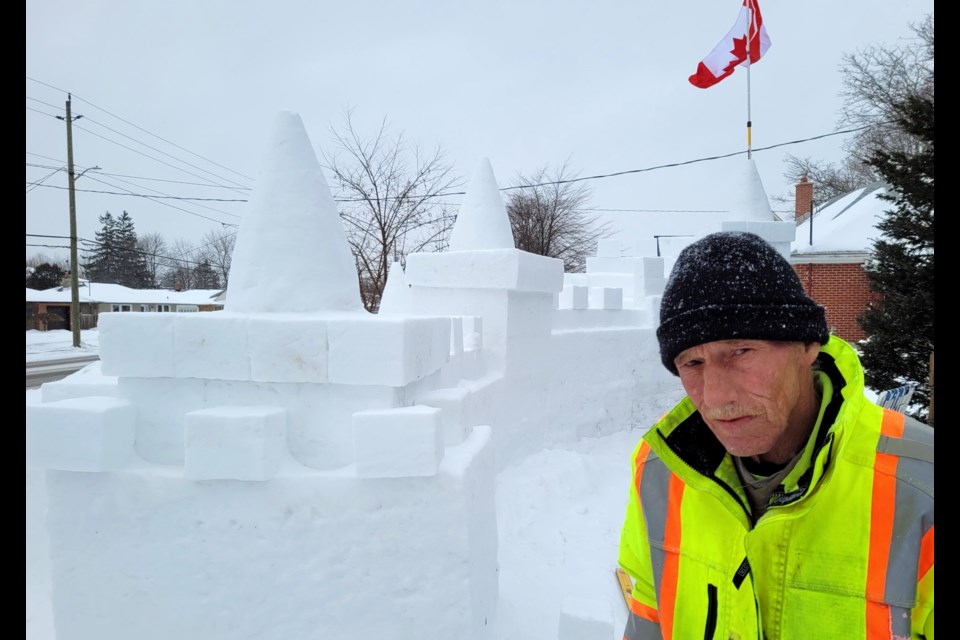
(804, 198)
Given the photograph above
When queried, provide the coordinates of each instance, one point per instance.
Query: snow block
(86, 382)
(288, 348)
(585, 619)
(581, 319)
(137, 344)
(319, 426)
(398, 443)
(392, 350)
(161, 404)
(81, 434)
(610, 248)
(450, 401)
(772, 231)
(485, 269)
(575, 297)
(456, 336)
(653, 286)
(648, 267)
(212, 346)
(234, 443)
(606, 298)
(472, 333)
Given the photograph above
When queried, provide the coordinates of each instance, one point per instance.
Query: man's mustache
(729, 412)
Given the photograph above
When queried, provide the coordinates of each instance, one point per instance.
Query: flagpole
(749, 64)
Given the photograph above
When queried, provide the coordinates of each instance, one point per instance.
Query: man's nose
(719, 389)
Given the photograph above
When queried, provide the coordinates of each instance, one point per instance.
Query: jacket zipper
(711, 612)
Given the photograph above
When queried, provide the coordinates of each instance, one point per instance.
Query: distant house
(831, 248)
(50, 308)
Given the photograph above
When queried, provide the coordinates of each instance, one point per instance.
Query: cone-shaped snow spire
(396, 294)
(291, 252)
(482, 222)
(752, 201)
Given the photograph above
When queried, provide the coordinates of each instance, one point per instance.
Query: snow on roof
(848, 224)
(96, 292)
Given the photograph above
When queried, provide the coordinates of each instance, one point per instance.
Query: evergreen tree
(900, 324)
(204, 277)
(116, 259)
(45, 276)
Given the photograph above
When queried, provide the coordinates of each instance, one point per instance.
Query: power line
(166, 204)
(160, 151)
(93, 133)
(34, 185)
(121, 175)
(140, 195)
(164, 140)
(42, 112)
(694, 161)
(30, 153)
(173, 144)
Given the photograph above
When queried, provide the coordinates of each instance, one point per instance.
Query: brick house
(830, 249)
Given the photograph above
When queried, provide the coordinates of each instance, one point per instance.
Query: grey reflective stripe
(899, 622)
(654, 493)
(905, 448)
(913, 515)
(641, 629)
(913, 429)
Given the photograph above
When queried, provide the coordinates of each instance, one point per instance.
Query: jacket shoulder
(914, 450)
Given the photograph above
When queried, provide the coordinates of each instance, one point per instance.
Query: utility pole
(74, 267)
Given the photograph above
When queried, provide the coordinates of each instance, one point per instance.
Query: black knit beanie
(731, 285)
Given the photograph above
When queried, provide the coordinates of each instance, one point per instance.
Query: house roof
(845, 225)
(99, 293)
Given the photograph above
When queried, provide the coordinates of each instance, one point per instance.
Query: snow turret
(292, 233)
(482, 222)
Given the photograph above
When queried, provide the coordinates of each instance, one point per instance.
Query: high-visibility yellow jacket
(843, 552)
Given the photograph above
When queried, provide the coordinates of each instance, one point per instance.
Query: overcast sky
(185, 92)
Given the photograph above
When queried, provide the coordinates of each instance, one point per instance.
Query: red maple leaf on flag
(731, 52)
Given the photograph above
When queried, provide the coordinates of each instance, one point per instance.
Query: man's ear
(810, 352)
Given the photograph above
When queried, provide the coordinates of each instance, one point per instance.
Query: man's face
(753, 394)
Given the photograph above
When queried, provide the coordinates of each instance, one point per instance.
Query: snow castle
(289, 439)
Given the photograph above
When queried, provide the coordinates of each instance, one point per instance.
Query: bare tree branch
(549, 218)
(387, 195)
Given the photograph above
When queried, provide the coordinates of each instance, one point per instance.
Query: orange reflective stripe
(639, 462)
(881, 530)
(926, 554)
(645, 612)
(671, 543)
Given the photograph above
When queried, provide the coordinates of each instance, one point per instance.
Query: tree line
(118, 255)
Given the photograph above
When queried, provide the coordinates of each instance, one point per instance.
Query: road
(50, 370)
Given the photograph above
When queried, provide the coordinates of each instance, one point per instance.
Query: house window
(144, 307)
(163, 307)
(120, 307)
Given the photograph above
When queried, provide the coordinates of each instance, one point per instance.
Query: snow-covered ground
(50, 345)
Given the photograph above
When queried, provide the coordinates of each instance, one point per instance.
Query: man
(775, 500)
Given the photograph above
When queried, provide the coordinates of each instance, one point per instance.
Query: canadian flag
(732, 50)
